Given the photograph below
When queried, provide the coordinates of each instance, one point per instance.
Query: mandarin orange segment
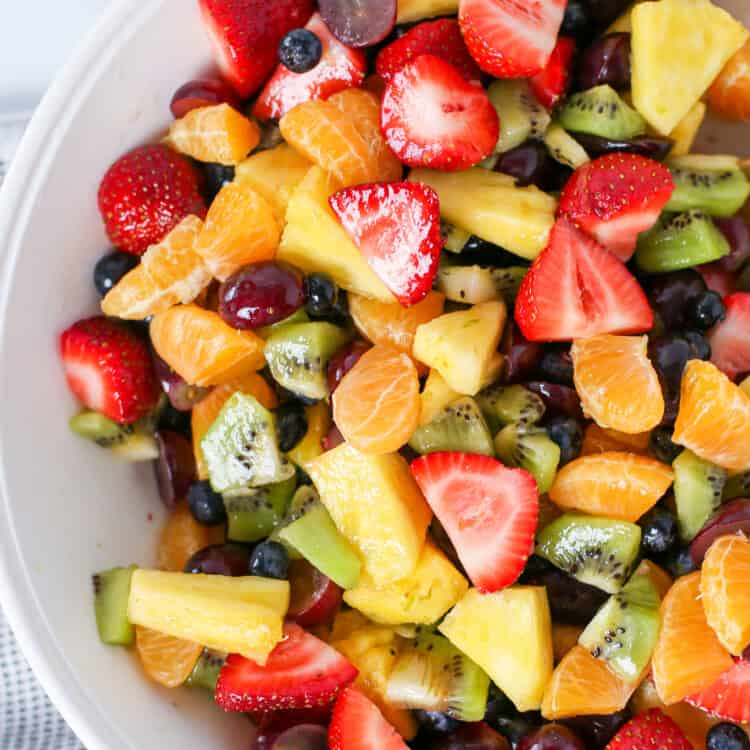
(598, 440)
(729, 95)
(181, 537)
(688, 656)
(240, 228)
(725, 586)
(218, 134)
(202, 348)
(617, 384)
(615, 484)
(376, 406)
(166, 660)
(714, 417)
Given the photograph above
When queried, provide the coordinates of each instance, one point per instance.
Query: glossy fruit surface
(357, 723)
(175, 467)
(166, 660)
(343, 361)
(206, 505)
(728, 697)
(359, 24)
(182, 396)
(651, 729)
(220, 560)
(270, 560)
(551, 737)
(651, 146)
(559, 400)
(300, 50)
(670, 294)
(729, 95)
(605, 61)
(202, 92)
(110, 268)
(732, 518)
(314, 597)
(291, 424)
(737, 232)
(730, 343)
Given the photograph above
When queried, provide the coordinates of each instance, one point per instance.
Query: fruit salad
(436, 330)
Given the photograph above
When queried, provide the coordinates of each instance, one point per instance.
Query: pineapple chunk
(435, 396)
(678, 48)
(509, 635)
(422, 598)
(462, 345)
(221, 621)
(415, 10)
(376, 504)
(314, 240)
(687, 129)
(346, 622)
(311, 446)
(489, 205)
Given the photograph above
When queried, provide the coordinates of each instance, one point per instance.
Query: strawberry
(729, 697)
(357, 724)
(109, 369)
(441, 38)
(432, 117)
(508, 38)
(575, 289)
(301, 672)
(339, 68)
(489, 511)
(616, 197)
(145, 194)
(396, 226)
(718, 278)
(550, 85)
(649, 731)
(730, 339)
(246, 35)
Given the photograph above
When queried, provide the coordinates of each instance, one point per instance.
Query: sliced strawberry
(653, 729)
(109, 369)
(441, 38)
(301, 672)
(396, 226)
(550, 85)
(357, 724)
(575, 289)
(340, 68)
(511, 38)
(729, 697)
(246, 35)
(615, 198)
(489, 512)
(718, 279)
(730, 339)
(432, 117)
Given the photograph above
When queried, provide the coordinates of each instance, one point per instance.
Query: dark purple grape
(577, 20)
(522, 357)
(221, 560)
(604, 12)
(111, 268)
(551, 737)
(181, 395)
(727, 736)
(175, 420)
(515, 728)
(215, 176)
(175, 467)
(678, 563)
(606, 61)
(203, 92)
(597, 731)
(343, 361)
(557, 365)
(707, 310)
(359, 23)
(670, 295)
(323, 299)
(661, 445)
(568, 435)
(660, 533)
(472, 737)
(260, 295)
(653, 146)
(529, 163)
(435, 722)
(559, 400)
(291, 424)
(737, 232)
(498, 706)
(732, 518)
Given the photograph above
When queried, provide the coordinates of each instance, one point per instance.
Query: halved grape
(605, 61)
(181, 395)
(203, 92)
(359, 23)
(733, 518)
(314, 596)
(175, 467)
(522, 357)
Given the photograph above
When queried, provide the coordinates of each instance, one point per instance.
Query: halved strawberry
(340, 68)
(432, 117)
(575, 289)
(511, 38)
(441, 38)
(489, 511)
(729, 697)
(109, 369)
(730, 339)
(396, 226)
(357, 724)
(301, 672)
(718, 279)
(652, 729)
(616, 197)
(550, 85)
(246, 35)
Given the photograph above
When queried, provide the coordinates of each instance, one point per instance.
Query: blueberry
(568, 435)
(300, 51)
(172, 419)
(726, 736)
(661, 446)
(660, 532)
(707, 310)
(498, 705)
(206, 505)
(215, 177)
(699, 346)
(291, 424)
(436, 722)
(111, 268)
(679, 563)
(557, 365)
(323, 298)
(576, 21)
(270, 560)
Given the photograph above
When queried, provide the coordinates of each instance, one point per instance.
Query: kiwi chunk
(298, 355)
(433, 675)
(521, 115)
(241, 448)
(698, 487)
(133, 442)
(684, 241)
(502, 405)
(253, 514)
(298, 316)
(460, 426)
(111, 593)
(593, 550)
(530, 449)
(473, 285)
(205, 673)
(564, 148)
(737, 486)
(600, 111)
(624, 631)
(454, 238)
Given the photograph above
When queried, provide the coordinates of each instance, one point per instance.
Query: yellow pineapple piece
(489, 205)
(462, 346)
(415, 10)
(310, 447)
(687, 129)
(435, 396)
(376, 504)
(509, 635)
(314, 240)
(678, 48)
(346, 622)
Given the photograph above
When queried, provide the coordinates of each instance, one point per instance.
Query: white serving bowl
(67, 509)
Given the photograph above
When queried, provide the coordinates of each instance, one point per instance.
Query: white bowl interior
(82, 511)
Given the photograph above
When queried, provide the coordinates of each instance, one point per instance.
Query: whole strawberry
(145, 194)
(650, 731)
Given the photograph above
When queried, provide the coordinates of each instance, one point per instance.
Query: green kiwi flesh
(686, 240)
(298, 316)
(298, 355)
(623, 632)
(433, 675)
(597, 551)
(564, 148)
(600, 111)
(473, 285)
(698, 487)
(253, 514)
(503, 405)
(530, 449)
(521, 115)
(206, 670)
(241, 447)
(460, 426)
(301, 496)
(128, 441)
(111, 593)
(454, 238)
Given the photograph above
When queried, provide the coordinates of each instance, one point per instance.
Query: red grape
(203, 92)
(551, 737)
(359, 23)
(732, 518)
(181, 395)
(472, 737)
(343, 361)
(314, 597)
(737, 233)
(559, 400)
(175, 467)
(606, 61)
(221, 560)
